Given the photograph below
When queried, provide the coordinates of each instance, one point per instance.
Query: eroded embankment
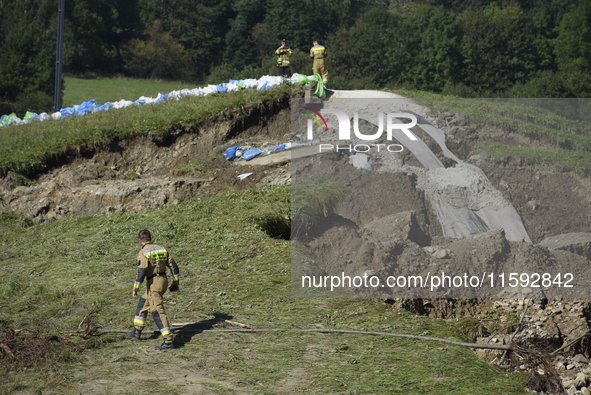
(151, 170)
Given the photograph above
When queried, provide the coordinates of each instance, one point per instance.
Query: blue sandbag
(67, 112)
(251, 153)
(230, 153)
(264, 87)
(86, 107)
(106, 106)
(222, 88)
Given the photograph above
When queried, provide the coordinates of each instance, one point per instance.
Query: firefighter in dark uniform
(318, 53)
(152, 263)
(283, 54)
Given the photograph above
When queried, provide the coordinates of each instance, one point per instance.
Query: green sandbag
(320, 92)
(240, 85)
(28, 116)
(8, 119)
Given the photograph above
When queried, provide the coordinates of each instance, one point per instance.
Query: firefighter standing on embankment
(283, 53)
(318, 53)
(152, 263)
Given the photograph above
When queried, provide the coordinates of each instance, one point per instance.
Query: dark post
(59, 55)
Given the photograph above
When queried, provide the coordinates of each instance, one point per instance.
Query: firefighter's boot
(167, 345)
(136, 334)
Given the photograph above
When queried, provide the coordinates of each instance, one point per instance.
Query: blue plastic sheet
(230, 153)
(106, 106)
(251, 153)
(67, 112)
(86, 107)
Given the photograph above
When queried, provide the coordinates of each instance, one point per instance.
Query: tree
(200, 26)
(96, 30)
(434, 60)
(28, 32)
(159, 56)
(497, 47)
(573, 44)
(239, 50)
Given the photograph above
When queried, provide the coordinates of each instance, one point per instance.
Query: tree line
(529, 48)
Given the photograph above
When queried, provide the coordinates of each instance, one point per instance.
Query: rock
(442, 253)
(581, 380)
(580, 358)
(585, 391)
(532, 204)
(577, 243)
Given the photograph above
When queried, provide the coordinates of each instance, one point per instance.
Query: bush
(159, 57)
(222, 73)
(554, 85)
(459, 90)
(38, 102)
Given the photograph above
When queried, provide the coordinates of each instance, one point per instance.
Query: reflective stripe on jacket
(318, 52)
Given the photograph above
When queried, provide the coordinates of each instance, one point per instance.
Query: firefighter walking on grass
(152, 263)
(318, 53)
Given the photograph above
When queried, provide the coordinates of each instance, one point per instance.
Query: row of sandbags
(91, 106)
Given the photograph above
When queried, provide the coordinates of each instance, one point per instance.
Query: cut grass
(55, 272)
(79, 90)
(25, 149)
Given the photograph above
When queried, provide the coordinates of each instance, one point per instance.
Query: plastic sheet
(251, 153)
(320, 92)
(230, 153)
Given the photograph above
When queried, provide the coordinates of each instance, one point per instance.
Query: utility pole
(59, 56)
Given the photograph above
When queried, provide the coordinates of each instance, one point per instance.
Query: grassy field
(79, 90)
(55, 273)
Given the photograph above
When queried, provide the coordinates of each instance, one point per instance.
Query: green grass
(54, 273)
(79, 90)
(26, 148)
(562, 127)
(580, 161)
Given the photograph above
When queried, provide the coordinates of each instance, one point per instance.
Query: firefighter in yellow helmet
(152, 263)
(283, 54)
(318, 53)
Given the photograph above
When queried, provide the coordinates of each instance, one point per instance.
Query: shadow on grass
(185, 334)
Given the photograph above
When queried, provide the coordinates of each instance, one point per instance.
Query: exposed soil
(150, 171)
